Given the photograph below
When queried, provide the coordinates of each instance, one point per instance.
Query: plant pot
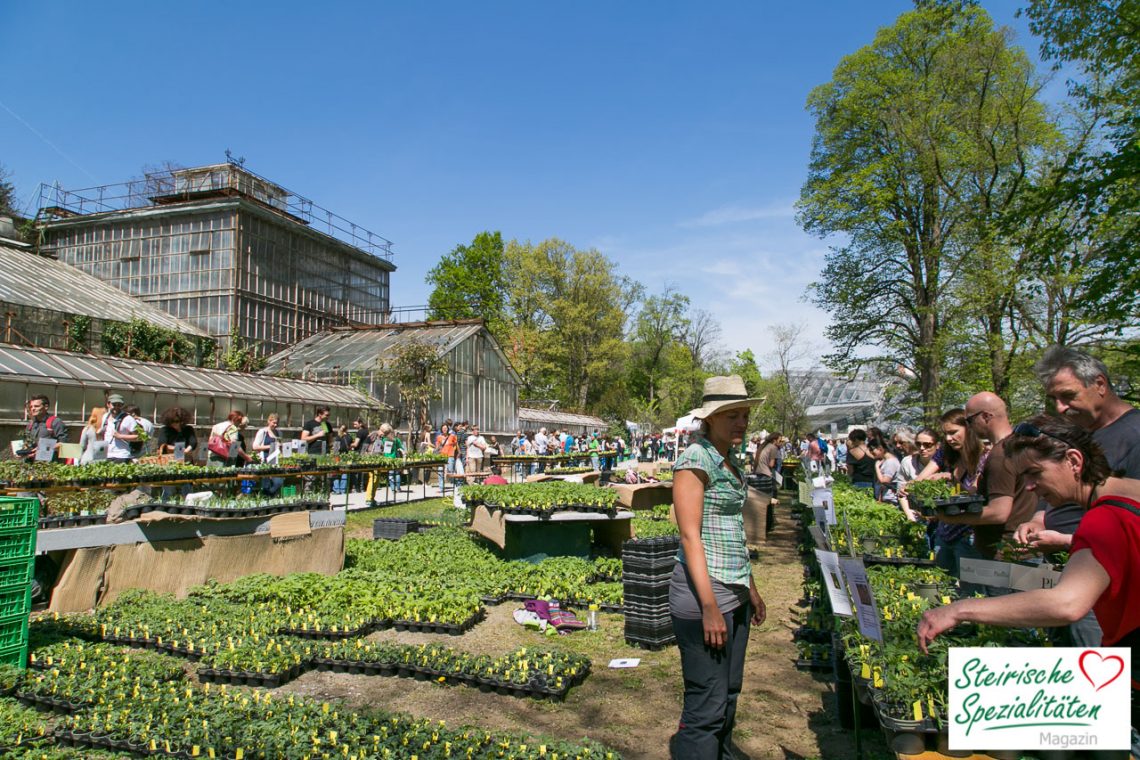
(943, 745)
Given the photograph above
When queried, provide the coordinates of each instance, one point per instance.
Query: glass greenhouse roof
(55, 367)
(32, 280)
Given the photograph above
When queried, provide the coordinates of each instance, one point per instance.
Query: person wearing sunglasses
(1008, 502)
(1062, 463)
(924, 445)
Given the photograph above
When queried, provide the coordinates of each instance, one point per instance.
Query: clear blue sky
(671, 136)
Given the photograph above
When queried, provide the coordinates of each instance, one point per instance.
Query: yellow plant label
(865, 672)
(918, 709)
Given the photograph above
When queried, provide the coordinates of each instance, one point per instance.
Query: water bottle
(592, 618)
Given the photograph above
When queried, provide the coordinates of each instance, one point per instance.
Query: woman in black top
(860, 463)
(177, 433)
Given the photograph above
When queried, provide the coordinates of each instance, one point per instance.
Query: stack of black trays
(393, 528)
(647, 565)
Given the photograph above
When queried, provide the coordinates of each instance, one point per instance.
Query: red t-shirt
(1112, 534)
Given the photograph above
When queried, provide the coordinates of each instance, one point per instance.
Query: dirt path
(783, 713)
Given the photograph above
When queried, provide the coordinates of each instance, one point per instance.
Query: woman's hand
(715, 629)
(759, 611)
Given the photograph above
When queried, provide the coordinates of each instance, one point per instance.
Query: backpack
(47, 423)
(823, 446)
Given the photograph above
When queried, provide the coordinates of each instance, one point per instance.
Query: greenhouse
(42, 297)
(76, 383)
(480, 384)
(552, 419)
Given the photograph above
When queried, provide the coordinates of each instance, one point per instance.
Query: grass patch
(433, 511)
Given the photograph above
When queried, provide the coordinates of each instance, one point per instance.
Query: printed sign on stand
(833, 579)
(866, 611)
(1008, 574)
(823, 497)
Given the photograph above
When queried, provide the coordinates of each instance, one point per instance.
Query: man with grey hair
(1079, 387)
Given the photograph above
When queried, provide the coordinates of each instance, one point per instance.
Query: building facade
(223, 249)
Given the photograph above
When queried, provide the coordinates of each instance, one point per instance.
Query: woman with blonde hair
(89, 438)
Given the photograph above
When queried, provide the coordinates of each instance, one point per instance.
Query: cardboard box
(755, 517)
(644, 495)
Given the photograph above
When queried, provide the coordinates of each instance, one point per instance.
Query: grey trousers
(713, 678)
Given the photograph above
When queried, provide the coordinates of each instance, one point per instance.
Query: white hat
(723, 393)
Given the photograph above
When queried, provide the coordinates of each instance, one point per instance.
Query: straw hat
(723, 393)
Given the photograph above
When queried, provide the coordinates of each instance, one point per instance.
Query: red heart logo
(1103, 661)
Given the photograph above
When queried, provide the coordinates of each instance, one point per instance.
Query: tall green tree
(915, 135)
(660, 324)
(1101, 177)
(470, 282)
(567, 315)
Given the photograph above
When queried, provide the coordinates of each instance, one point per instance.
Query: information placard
(833, 579)
(866, 611)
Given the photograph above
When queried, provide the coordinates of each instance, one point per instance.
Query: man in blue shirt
(568, 444)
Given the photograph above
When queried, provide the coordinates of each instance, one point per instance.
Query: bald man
(1008, 504)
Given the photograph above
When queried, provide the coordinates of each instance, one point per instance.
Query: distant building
(843, 401)
(480, 384)
(223, 249)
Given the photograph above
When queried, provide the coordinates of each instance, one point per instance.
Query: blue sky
(671, 136)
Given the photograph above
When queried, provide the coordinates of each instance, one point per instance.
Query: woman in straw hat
(712, 596)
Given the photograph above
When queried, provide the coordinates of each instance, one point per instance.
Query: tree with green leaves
(922, 142)
(567, 315)
(470, 282)
(415, 367)
(660, 324)
(1097, 181)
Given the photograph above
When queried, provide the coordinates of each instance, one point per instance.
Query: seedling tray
(955, 505)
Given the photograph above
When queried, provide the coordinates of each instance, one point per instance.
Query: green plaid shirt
(722, 520)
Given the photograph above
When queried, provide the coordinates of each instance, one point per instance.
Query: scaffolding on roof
(162, 188)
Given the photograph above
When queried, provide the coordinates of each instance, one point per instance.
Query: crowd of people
(1068, 482)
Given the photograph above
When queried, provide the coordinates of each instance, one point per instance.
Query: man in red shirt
(495, 478)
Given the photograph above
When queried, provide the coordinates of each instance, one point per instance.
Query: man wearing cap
(118, 430)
